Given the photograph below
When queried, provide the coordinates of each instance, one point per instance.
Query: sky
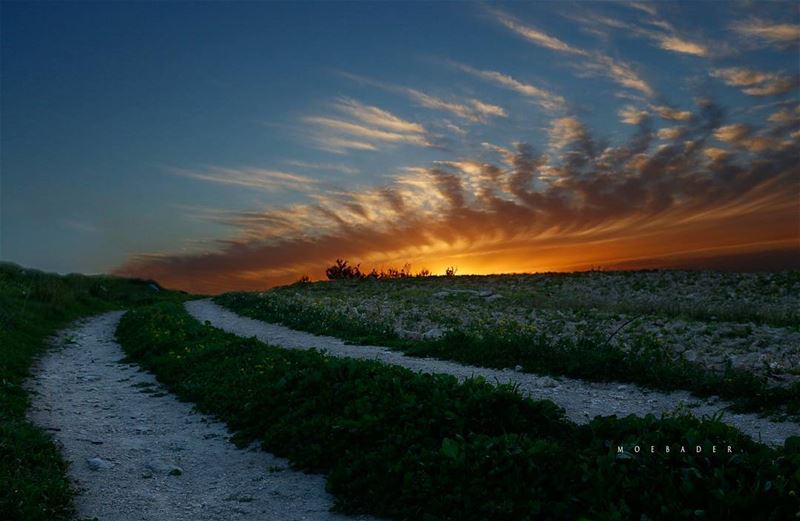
(219, 146)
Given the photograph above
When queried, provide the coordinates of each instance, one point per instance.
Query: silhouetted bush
(342, 270)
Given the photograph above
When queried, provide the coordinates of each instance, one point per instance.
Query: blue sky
(155, 137)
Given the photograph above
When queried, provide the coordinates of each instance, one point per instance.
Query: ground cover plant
(732, 335)
(409, 446)
(33, 306)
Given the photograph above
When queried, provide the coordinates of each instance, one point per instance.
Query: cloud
(716, 154)
(779, 86)
(340, 145)
(534, 35)
(592, 64)
(732, 133)
(664, 36)
(545, 98)
(564, 131)
(671, 133)
(369, 133)
(676, 44)
(473, 110)
(258, 178)
(756, 83)
(488, 109)
(672, 114)
(562, 208)
(644, 7)
(781, 35)
(740, 77)
(367, 126)
(505, 154)
(786, 115)
(377, 117)
(618, 72)
(632, 115)
(452, 127)
(744, 137)
(345, 169)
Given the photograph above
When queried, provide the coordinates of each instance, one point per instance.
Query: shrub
(342, 270)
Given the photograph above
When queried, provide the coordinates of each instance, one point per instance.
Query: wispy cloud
(593, 63)
(756, 83)
(452, 127)
(473, 110)
(534, 35)
(672, 114)
(339, 145)
(645, 7)
(676, 44)
(257, 178)
(716, 153)
(745, 137)
(660, 32)
(334, 167)
(377, 117)
(564, 131)
(671, 133)
(765, 32)
(786, 115)
(618, 72)
(632, 115)
(546, 99)
(368, 133)
(367, 126)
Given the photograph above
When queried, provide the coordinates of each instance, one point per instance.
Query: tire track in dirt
(137, 453)
(581, 400)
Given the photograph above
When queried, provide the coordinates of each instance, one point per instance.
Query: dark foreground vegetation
(589, 356)
(34, 306)
(425, 447)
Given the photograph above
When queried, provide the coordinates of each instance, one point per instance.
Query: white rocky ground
(137, 453)
(763, 349)
(581, 400)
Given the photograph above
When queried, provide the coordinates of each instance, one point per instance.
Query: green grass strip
(403, 445)
(33, 307)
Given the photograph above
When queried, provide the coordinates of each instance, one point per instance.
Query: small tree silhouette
(342, 270)
(450, 271)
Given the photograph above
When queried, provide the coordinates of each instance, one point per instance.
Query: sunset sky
(218, 146)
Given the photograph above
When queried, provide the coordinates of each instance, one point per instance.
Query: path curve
(137, 453)
(581, 400)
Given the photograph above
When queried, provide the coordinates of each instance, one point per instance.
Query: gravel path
(137, 453)
(581, 400)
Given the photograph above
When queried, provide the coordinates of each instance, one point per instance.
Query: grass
(503, 344)
(34, 306)
(403, 445)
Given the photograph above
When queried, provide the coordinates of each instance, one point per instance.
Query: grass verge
(34, 306)
(408, 446)
(590, 357)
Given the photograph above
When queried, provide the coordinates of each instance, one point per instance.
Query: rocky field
(748, 321)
